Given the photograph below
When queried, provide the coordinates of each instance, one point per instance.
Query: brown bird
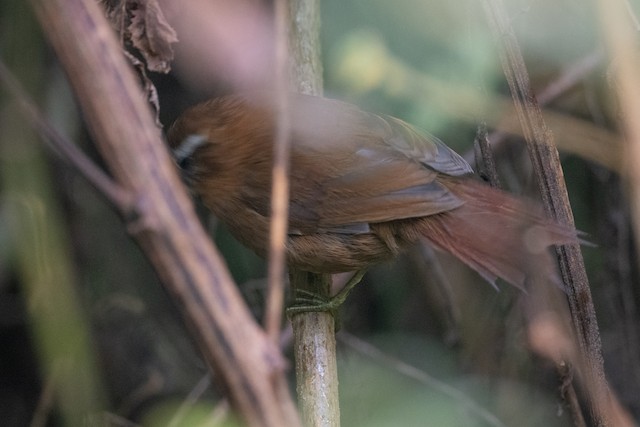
(363, 187)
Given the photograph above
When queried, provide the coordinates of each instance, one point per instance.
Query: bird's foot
(306, 301)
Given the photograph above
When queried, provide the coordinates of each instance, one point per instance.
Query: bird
(363, 188)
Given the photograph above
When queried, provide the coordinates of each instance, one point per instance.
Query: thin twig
(548, 170)
(568, 393)
(409, 371)
(485, 163)
(570, 77)
(280, 185)
(567, 80)
(178, 416)
(64, 148)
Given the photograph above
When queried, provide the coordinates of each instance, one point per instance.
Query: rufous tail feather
(497, 234)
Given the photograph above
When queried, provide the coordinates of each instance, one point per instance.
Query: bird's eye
(185, 163)
(183, 153)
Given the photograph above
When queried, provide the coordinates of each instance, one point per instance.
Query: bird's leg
(313, 302)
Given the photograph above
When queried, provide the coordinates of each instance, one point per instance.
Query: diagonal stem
(67, 150)
(548, 171)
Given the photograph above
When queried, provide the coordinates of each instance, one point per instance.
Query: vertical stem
(315, 354)
(314, 332)
(304, 45)
(280, 186)
(485, 163)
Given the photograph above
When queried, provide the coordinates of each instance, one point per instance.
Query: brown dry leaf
(149, 87)
(151, 34)
(142, 24)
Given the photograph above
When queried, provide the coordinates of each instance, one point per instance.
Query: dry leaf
(151, 34)
(141, 24)
(149, 87)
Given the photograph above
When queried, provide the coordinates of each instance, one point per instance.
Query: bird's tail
(496, 234)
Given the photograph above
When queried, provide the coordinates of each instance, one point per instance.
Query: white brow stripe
(188, 146)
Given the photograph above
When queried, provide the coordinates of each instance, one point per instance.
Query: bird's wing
(423, 147)
(351, 168)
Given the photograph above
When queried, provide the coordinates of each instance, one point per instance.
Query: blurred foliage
(434, 64)
(375, 394)
(39, 256)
